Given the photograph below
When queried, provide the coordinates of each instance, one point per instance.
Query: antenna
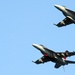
(63, 68)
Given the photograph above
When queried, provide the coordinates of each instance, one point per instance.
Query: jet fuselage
(51, 54)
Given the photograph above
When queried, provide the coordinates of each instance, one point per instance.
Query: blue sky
(24, 22)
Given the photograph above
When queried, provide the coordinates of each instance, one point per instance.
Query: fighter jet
(69, 14)
(59, 58)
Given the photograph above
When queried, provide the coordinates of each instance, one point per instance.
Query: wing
(65, 22)
(70, 62)
(65, 54)
(73, 12)
(42, 60)
(57, 65)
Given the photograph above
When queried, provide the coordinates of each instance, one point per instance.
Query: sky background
(25, 22)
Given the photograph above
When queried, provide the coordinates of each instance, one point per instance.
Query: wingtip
(56, 25)
(33, 61)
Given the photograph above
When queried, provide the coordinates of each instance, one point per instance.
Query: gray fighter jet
(69, 14)
(59, 58)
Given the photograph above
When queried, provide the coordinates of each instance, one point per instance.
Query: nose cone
(35, 45)
(57, 6)
(39, 47)
(61, 8)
